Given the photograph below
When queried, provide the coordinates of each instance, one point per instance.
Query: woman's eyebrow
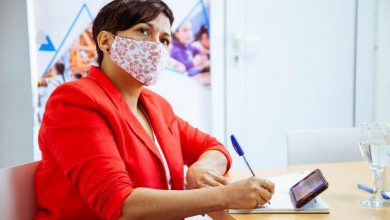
(167, 34)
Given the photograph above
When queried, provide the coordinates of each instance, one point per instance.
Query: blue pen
(368, 189)
(240, 152)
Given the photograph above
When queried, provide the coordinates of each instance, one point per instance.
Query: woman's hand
(199, 176)
(248, 193)
(220, 215)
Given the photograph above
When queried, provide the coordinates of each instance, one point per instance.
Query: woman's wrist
(223, 196)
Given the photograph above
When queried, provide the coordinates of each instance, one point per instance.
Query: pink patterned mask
(143, 60)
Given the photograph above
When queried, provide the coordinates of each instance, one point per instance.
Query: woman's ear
(104, 40)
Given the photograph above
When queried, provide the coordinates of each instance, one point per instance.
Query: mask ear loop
(108, 50)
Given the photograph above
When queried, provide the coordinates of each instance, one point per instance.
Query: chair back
(17, 193)
(323, 145)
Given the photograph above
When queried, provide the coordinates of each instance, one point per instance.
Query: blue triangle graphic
(48, 46)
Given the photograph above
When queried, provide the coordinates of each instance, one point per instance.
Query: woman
(114, 149)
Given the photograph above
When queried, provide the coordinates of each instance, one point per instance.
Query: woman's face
(157, 30)
(184, 34)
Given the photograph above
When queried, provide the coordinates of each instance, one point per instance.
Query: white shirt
(164, 161)
(165, 164)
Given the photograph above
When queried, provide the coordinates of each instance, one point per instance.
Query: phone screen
(308, 188)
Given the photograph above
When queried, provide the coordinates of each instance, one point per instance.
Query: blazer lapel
(167, 141)
(117, 99)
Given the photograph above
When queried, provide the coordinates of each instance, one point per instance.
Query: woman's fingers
(259, 199)
(212, 178)
(219, 178)
(268, 185)
(265, 194)
(211, 184)
(213, 181)
(200, 177)
(264, 190)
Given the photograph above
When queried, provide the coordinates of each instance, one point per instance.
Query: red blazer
(95, 152)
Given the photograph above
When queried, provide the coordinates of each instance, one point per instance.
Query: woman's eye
(144, 31)
(165, 42)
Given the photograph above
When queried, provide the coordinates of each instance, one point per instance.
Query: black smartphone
(308, 188)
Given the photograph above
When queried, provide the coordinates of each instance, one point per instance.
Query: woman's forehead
(162, 22)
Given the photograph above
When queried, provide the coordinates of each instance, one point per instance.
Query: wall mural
(65, 50)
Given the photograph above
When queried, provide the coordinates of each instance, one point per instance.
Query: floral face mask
(143, 60)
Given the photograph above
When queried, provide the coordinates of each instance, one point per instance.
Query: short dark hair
(78, 75)
(60, 68)
(202, 30)
(120, 15)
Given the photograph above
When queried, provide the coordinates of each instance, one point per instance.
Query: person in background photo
(42, 96)
(77, 76)
(174, 64)
(202, 41)
(114, 149)
(182, 51)
(59, 78)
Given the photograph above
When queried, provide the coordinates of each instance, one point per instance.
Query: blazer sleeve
(84, 146)
(195, 142)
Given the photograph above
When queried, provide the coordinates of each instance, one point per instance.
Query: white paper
(281, 201)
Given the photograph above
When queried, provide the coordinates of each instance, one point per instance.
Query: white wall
(295, 70)
(190, 100)
(372, 61)
(16, 112)
(365, 61)
(303, 64)
(218, 69)
(382, 80)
